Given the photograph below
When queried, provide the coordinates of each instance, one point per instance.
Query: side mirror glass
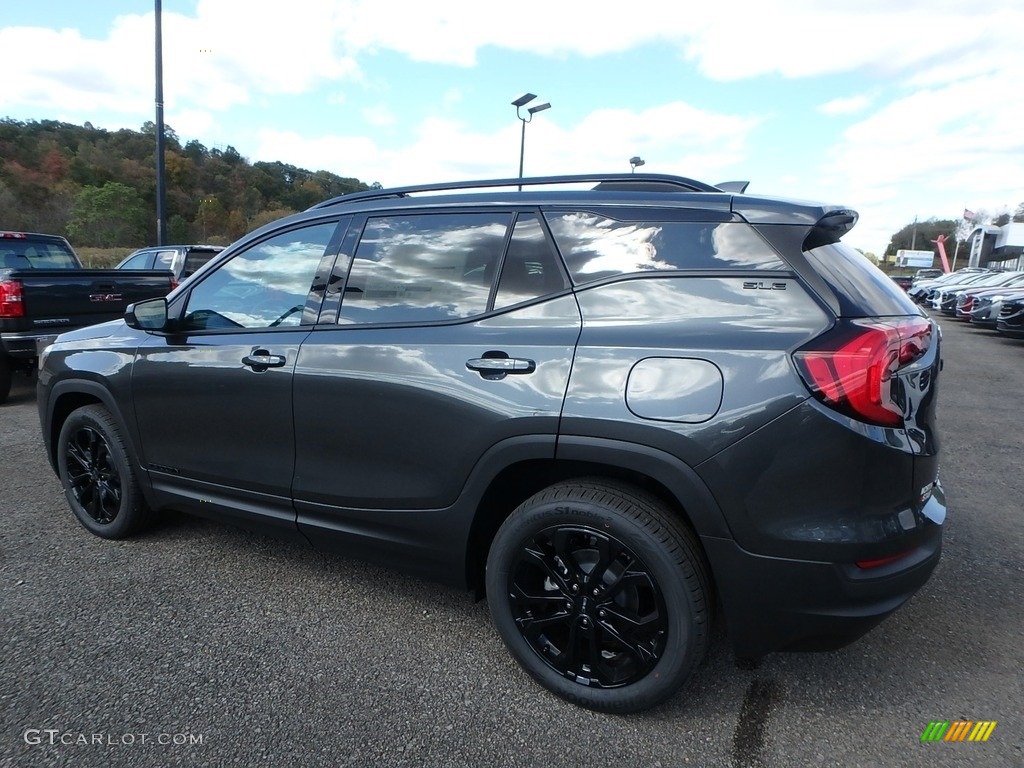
(148, 315)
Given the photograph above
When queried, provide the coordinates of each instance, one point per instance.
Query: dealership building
(997, 247)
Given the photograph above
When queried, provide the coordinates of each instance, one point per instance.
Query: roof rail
(643, 182)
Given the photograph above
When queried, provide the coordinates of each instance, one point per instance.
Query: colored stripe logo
(958, 730)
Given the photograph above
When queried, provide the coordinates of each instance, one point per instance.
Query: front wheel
(95, 469)
(600, 595)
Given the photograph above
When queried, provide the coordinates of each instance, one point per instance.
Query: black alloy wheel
(95, 470)
(588, 606)
(601, 594)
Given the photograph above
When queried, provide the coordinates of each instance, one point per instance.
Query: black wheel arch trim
(102, 394)
(674, 474)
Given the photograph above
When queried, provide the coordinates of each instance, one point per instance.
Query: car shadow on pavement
(23, 390)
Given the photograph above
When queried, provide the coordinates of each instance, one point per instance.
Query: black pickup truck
(45, 290)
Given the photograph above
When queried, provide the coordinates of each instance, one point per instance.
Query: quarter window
(423, 268)
(531, 269)
(596, 246)
(264, 286)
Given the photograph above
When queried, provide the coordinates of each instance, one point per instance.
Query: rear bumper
(776, 604)
(25, 344)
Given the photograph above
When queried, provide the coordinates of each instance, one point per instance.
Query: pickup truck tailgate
(55, 299)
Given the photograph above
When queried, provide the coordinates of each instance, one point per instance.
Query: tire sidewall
(94, 417)
(677, 661)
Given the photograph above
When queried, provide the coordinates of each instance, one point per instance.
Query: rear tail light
(11, 304)
(851, 368)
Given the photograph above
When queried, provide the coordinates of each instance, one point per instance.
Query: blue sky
(896, 108)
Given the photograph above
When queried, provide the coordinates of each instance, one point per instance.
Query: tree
(921, 235)
(45, 165)
(107, 216)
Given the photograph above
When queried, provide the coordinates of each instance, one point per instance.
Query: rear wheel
(600, 595)
(96, 472)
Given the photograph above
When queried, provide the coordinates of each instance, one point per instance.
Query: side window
(531, 269)
(424, 267)
(595, 246)
(165, 260)
(264, 286)
(139, 261)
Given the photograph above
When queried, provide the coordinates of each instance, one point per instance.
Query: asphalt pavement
(198, 644)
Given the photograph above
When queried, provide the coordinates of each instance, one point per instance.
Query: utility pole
(161, 187)
(913, 239)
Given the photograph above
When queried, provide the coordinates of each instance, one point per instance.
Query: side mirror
(148, 315)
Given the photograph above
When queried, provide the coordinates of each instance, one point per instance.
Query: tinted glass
(862, 288)
(594, 246)
(531, 269)
(139, 261)
(264, 286)
(195, 258)
(422, 268)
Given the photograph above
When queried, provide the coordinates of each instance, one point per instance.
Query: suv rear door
(422, 362)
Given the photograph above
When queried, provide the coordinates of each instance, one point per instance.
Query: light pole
(522, 101)
(161, 185)
(635, 162)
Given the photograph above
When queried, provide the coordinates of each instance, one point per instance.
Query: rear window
(196, 258)
(27, 253)
(862, 288)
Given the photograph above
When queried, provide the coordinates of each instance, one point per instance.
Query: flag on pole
(969, 215)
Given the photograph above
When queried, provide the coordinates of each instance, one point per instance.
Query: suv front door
(214, 398)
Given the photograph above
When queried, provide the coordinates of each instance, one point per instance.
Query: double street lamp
(519, 103)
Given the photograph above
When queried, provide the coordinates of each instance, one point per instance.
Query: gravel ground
(198, 644)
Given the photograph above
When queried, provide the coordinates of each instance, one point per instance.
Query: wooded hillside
(98, 187)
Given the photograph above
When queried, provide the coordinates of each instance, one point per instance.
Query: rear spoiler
(830, 228)
(736, 187)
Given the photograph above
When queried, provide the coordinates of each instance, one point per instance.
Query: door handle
(499, 367)
(259, 360)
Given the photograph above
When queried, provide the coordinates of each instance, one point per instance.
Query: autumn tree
(108, 216)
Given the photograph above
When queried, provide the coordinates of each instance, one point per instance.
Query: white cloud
(932, 151)
(212, 61)
(379, 116)
(793, 38)
(845, 106)
(673, 138)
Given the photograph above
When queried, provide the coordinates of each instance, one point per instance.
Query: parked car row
(988, 299)
(906, 281)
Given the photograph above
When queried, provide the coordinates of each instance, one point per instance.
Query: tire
(95, 469)
(6, 374)
(600, 595)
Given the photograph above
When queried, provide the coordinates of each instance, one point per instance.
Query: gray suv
(613, 404)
